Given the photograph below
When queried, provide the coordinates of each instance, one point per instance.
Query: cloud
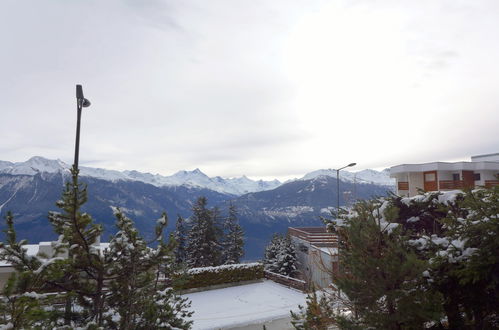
(257, 88)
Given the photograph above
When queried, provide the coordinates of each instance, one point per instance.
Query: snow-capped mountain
(364, 176)
(195, 178)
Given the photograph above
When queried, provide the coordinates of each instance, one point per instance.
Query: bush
(206, 276)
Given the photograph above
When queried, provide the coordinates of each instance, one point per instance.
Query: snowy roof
(243, 305)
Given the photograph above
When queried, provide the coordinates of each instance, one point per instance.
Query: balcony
(403, 185)
(451, 184)
(491, 183)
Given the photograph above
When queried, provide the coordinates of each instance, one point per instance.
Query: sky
(267, 89)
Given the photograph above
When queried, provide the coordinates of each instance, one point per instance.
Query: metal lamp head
(351, 164)
(80, 98)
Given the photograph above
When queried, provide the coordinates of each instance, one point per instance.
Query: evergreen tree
(139, 296)
(181, 240)
(20, 306)
(233, 239)
(317, 315)
(83, 273)
(286, 258)
(408, 263)
(280, 256)
(272, 250)
(203, 248)
(79, 273)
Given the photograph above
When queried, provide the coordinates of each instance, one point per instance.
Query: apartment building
(483, 170)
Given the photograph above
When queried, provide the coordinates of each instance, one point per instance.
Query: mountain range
(30, 189)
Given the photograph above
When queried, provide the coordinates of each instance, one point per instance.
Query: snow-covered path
(242, 305)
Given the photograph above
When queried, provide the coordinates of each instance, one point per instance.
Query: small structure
(316, 253)
(483, 170)
(42, 248)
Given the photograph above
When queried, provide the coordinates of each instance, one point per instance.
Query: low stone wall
(287, 281)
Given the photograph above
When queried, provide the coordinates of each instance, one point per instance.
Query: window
(429, 177)
(455, 176)
(476, 176)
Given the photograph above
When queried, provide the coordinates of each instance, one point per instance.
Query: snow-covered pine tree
(82, 274)
(286, 258)
(272, 251)
(181, 240)
(79, 272)
(218, 228)
(233, 240)
(203, 247)
(21, 307)
(139, 296)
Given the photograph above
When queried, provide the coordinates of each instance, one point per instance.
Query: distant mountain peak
(364, 176)
(194, 178)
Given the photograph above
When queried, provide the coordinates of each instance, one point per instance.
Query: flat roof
(242, 305)
(445, 166)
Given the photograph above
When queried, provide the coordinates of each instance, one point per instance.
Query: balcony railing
(451, 184)
(491, 183)
(403, 185)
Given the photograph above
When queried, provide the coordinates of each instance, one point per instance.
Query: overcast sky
(270, 89)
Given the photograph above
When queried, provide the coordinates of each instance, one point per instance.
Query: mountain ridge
(196, 178)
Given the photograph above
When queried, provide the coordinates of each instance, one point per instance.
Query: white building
(43, 248)
(317, 254)
(483, 170)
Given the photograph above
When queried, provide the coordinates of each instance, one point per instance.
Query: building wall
(322, 268)
(416, 181)
(5, 273)
(315, 265)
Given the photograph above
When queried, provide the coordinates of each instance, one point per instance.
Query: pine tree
(272, 251)
(21, 307)
(233, 240)
(83, 273)
(79, 272)
(139, 295)
(203, 248)
(317, 315)
(286, 258)
(181, 240)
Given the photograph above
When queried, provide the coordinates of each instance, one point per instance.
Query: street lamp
(81, 102)
(338, 187)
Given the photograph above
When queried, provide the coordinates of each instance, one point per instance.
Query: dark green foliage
(408, 263)
(280, 256)
(233, 238)
(125, 286)
(181, 241)
(138, 292)
(318, 314)
(202, 277)
(203, 247)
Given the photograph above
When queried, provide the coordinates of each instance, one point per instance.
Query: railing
(315, 236)
(451, 184)
(491, 183)
(287, 281)
(402, 185)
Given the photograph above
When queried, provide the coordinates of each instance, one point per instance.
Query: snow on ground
(243, 305)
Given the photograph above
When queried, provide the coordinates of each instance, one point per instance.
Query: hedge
(206, 276)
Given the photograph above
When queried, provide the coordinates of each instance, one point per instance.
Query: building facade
(316, 253)
(483, 170)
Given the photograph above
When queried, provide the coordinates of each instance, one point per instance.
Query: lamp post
(81, 102)
(337, 215)
(338, 187)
